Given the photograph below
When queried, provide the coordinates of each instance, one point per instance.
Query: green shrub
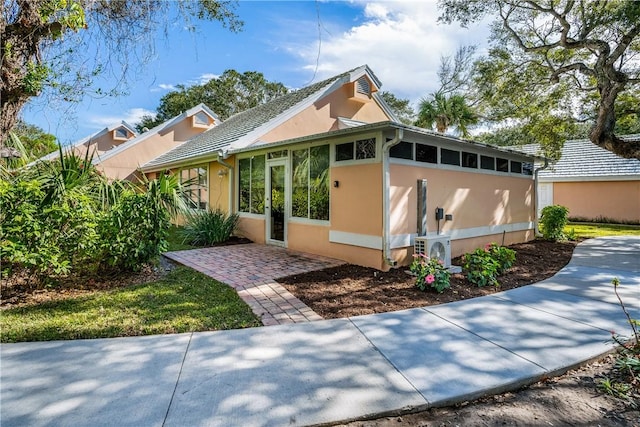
(62, 217)
(209, 227)
(46, 239)
(133, 232)
(430, 272)
(484, 265)
(553, 221)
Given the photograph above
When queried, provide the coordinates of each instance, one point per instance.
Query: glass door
(276, 203)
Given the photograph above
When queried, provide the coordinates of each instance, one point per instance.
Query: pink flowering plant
(430, 273)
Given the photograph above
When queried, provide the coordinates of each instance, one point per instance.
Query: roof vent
(363, 86)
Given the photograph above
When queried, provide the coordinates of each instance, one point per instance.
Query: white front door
(545, 195)
(277, 202)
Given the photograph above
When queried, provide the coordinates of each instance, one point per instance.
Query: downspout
(386, 202)
(536, 228)
(222, 156)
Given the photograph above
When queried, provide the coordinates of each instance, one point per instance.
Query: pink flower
(430, 278)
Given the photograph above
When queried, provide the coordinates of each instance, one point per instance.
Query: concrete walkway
(251, 270)
(331, 370)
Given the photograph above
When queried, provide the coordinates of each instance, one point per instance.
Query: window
(278, 154)
(194, 184)
(200, 119)
(344, 151)
(366, 149)
(121, 133)
(402, 150)
(251, 172)
(516, 167)
(488, 163)
(527, 168)
(502, 165)
(359, 150)
(310, 183)
(450, 157)
(469, 160)
(426, 153)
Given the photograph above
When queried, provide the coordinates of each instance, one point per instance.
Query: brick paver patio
(251, 270)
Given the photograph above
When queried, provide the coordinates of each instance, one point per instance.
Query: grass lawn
(588, 230)
(183, 301)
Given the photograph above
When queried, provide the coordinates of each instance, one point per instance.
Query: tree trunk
(602, 133)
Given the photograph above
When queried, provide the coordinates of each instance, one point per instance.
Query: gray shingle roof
(582, 159)
(240, 125)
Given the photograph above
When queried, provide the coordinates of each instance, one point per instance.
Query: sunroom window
(251, 171)
(310, 183)
(449, 157)
(358, 150)
(194, 185)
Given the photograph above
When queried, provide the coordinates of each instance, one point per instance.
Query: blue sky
(400, 40)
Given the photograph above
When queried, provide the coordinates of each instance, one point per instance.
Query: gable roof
(242, 130)
(583, 160)
(87, 139)
(154, 131)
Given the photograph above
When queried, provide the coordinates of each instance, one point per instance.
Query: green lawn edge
(183, 301)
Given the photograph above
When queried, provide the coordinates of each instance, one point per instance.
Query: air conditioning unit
(438, 247)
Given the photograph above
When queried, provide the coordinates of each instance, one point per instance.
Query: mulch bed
(351, 290)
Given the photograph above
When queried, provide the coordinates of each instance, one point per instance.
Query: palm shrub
(208, 227)
(553, 220)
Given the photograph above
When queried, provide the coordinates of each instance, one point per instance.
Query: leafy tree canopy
(452, 104)
(226, 95)
(400, 107)
(555, 63)
(35, 140)
(61, 46)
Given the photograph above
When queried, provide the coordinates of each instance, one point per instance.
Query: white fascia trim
(253, 136)
(593, 178)
(356, 239)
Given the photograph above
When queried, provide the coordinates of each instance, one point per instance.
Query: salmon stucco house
(593, 183)
(118, 151)
(328, 170)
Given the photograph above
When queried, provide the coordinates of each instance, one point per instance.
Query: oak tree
(572, 57)
(64, 45)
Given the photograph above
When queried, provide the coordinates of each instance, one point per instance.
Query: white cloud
(204, 78)
(131, 116)
(401, 41)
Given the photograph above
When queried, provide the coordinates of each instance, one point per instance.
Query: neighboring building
(123, 161)
(99, 142)
(328, 170)
(118, 151)
(593, 183)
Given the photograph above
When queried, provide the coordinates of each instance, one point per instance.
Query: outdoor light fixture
(222, 172)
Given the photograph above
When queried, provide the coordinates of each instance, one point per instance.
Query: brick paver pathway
(251, 270)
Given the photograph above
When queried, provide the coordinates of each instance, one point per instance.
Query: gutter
(222, 156)
(536, 181)
(386, 202)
